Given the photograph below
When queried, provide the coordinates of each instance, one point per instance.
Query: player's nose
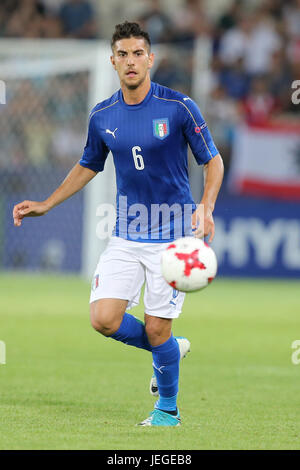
(130, 59)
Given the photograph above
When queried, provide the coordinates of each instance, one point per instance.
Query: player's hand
(28, 209)
(203, 222)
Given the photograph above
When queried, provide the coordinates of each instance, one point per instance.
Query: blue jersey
(149, 143)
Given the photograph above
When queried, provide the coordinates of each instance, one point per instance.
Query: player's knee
(154, 332)
(158, 330)
(106, 328)
(102, 322)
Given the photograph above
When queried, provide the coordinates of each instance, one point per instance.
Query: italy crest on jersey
(95, 282)
(161, 128)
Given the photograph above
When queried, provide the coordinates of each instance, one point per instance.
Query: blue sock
(132, 332)
(166, 359)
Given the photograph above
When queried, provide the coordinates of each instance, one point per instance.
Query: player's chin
(133, 82)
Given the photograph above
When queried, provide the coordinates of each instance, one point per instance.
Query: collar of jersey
(133, 107)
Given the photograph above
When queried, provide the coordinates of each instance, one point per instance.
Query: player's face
(132, 60)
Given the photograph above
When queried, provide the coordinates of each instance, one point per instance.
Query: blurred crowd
(255, 60)
(255, 50)
(43, 125)
(48, 19)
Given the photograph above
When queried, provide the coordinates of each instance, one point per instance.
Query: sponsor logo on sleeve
(198, 129)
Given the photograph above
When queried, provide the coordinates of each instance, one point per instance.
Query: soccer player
(147, 127)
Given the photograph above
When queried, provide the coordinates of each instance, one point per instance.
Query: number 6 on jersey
(138, 159)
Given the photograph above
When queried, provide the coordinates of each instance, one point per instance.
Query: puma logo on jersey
(111, 132)
(184, 99)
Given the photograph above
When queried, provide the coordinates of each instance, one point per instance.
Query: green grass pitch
(64, 386)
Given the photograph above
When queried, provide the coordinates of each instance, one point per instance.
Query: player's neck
(138, 95)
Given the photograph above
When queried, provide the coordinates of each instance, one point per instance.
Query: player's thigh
(160, 299)
(117, 282)
(119, 273)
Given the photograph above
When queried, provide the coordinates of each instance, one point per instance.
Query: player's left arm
(213, 176)
(205, 152)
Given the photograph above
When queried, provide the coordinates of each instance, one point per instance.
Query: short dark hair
(127, 30)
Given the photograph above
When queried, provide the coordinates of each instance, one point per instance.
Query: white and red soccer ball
(189, 264)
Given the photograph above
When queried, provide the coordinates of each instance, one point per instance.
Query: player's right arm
(78, 177)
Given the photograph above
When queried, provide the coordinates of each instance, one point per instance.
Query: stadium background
(238, 60)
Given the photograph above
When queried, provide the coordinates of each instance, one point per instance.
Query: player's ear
(112, 59)
(151, 60)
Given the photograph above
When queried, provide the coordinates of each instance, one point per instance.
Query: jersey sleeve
(197, 133)
(95, 151)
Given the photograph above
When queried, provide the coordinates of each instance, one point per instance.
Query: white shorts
(125, 266)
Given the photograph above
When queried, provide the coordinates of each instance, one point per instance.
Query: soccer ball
(188, 264)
